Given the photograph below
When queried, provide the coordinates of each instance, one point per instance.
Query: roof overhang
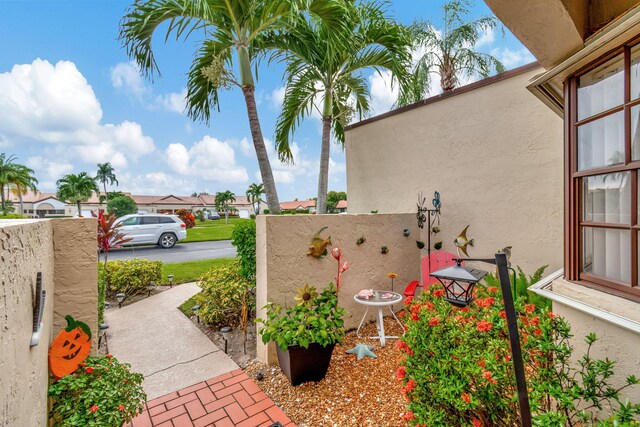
(549, 86)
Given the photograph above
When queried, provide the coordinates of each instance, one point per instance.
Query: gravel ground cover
(353, 394)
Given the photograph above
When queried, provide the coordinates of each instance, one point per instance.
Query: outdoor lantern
(170, 277)
(459, 282)
(225, 331)
(195, 309)
(150, 287)
(120, 297)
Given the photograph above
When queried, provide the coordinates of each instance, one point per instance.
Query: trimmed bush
(131, 277)
(266, 211)
(186, 217)
(223, 289)
(122, 205)
(243, 237)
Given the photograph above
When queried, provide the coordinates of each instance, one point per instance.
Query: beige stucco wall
(64, 251)
(25, 249)
(614, 342)
(283, 265)
(495, 155)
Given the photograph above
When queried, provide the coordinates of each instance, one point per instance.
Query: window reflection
(606, 253)
(601, 142)
(607, 198)
(601, 89)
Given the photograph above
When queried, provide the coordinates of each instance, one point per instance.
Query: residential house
(299, 205)
(341, 207)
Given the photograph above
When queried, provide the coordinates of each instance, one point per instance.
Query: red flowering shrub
(186, 217)
(457, 368)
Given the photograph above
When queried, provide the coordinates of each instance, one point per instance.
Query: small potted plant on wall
(306, 333)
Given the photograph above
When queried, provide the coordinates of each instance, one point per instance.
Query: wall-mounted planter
(301, 364)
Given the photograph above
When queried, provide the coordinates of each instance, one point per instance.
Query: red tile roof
(297, 204)
(342, 204)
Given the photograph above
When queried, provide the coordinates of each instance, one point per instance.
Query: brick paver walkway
(231, 399)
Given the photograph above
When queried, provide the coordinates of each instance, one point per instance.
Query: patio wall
(64, 251)
(492, 150)
(283, 265)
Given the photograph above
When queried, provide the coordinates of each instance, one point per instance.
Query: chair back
(434, 262)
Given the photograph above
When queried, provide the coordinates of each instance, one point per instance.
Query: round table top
(378, 298)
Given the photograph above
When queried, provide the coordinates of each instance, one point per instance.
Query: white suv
(162, 230)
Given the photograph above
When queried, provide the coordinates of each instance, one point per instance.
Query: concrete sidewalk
(163, 344)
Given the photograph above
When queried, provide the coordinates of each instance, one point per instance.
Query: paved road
(180, 252)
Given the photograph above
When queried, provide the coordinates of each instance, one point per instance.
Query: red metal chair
(435, 261)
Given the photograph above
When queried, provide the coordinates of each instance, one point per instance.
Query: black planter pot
(301, 364)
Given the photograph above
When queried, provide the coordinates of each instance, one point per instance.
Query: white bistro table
(379, 300)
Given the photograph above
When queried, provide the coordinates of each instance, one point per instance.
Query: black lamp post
(459, 281)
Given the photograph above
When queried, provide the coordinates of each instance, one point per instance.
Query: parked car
(162, 230)
(212, 215)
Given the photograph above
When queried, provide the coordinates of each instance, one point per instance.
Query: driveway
(179, 253)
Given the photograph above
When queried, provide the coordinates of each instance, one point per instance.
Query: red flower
(537, 332)
(414, 316)
(94, 408)
(487, 376)
(401, 372)
(411, 385)
(402, 314)
(438, 293)
(336, 252)
(507, 358)
(89, 370)
(529, 308)
(535, 321)
(407, 300)
(492, 289)
(551, 315)
(484, 326)
(121, 408)
(109, 356)
(429, 305)
(476, 422)
(466, 397)
(485, 302)
(481, 363)
(434, 321)
(455, 358)
(503, 314)
(408, 416)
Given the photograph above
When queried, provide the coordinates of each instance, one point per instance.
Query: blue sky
(70, 98)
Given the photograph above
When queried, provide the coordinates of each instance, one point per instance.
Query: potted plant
(306, 333)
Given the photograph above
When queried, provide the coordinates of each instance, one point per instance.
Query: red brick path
(232, 399)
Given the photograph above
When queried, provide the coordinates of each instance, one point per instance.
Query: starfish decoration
(362, 350)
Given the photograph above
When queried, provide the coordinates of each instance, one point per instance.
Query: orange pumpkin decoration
(70, 348)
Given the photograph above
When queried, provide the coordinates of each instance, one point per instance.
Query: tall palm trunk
(4, 206)
(226, 217)
(79, 208)
(261, 151)
(323, 177)
(21, 204)
(106, 197)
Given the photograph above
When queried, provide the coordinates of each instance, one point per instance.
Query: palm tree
(76, 189)
(325, 67)
(7, 174)
(253, 195)
(106, 173)
(223, 202)
(23, 181)
(450, 54)
(229, 27)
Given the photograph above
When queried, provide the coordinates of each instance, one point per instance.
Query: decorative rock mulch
(353, 394)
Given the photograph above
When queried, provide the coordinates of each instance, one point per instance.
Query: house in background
(341, 207)
(299, 205)
(591, 50)
(38, 205)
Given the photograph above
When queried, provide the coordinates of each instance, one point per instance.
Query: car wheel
(167, 241)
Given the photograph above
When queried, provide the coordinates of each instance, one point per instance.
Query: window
(149, 220)
(131, 221)
(602, 164)
(166, 220)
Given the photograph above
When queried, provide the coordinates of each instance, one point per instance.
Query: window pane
(635, 133)
(601, 142)
(635, 72)
(601, 89)
(607, 198)
(607, 253)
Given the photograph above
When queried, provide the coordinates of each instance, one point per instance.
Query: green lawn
(211, 230)
(190, 271)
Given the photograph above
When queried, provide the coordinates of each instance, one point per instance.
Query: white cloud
(209, 159)
(54, 104)
(486, 38)
(277, 97)
(174, 101)
(53, 170)
(156, 183)
(126, 76)
(513, 58)
(246, 148)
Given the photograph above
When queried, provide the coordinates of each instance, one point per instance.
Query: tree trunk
(79, 208)
(323, 177)
(21, 204)
(448, 80)
(4, 206)
(261, 151)
(226, 217)
(106, 197)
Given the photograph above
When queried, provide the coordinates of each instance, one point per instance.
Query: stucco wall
(64, 250)
(495, 154)
(25, 250)
(614, 342)
(283, 266)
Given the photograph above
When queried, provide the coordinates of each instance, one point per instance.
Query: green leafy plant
(200, 215)
(317, 318)
(266, 211)
(131, 277)
(102, 291)
(222, 293)
(457, 367)
(122, 205)
(243, 237)
(523, 282)
(103, 392)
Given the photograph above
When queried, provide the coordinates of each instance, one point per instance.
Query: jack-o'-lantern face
(70, 348)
